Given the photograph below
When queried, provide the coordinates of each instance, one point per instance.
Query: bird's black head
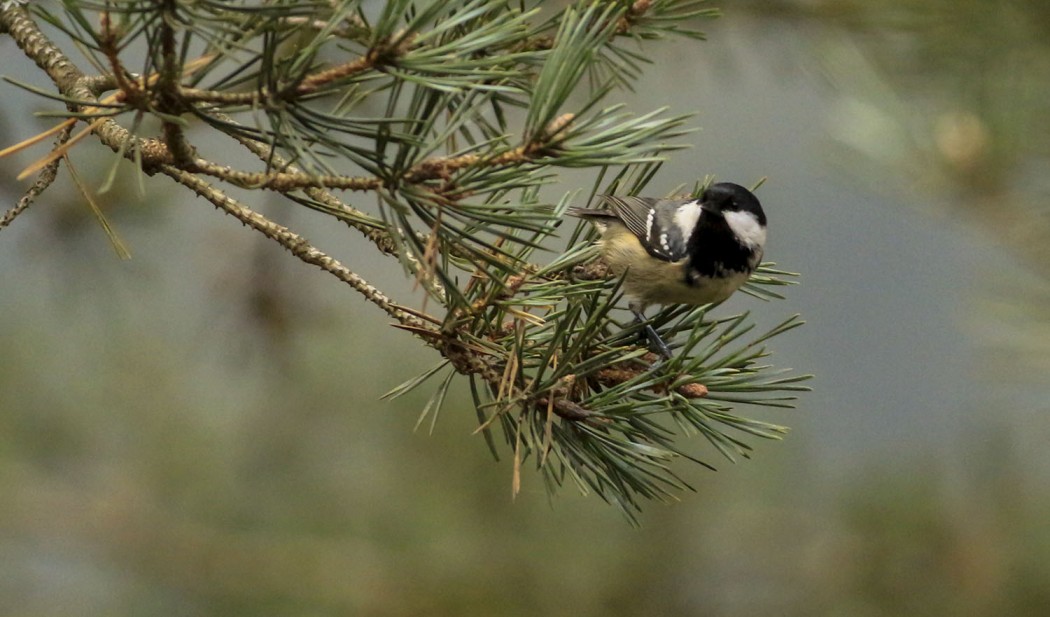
(728, 197)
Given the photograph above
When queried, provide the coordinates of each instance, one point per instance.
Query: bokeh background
(199, 430)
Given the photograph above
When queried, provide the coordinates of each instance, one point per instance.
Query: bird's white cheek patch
(746, 228)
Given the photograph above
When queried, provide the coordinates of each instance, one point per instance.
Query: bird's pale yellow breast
(654, 281)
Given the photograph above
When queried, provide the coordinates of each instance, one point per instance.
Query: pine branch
(451, 117)
(46, 176)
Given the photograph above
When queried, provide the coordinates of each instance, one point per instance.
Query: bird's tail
(591, 213)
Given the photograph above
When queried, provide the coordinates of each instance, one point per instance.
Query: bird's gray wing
(633, 211)
(654, 222)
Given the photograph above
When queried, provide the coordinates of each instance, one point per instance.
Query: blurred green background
(198, 431)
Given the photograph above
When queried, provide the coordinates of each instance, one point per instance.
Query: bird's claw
(651, 338)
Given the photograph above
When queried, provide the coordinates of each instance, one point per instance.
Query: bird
(680, 251)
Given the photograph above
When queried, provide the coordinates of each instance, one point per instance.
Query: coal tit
(680, 251)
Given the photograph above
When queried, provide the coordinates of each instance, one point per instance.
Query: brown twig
(618, 374)
(44, 179)
(166, 91)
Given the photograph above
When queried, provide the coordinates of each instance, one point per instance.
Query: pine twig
(44, 179)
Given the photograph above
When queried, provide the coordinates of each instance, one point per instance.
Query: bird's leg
(649, 335)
